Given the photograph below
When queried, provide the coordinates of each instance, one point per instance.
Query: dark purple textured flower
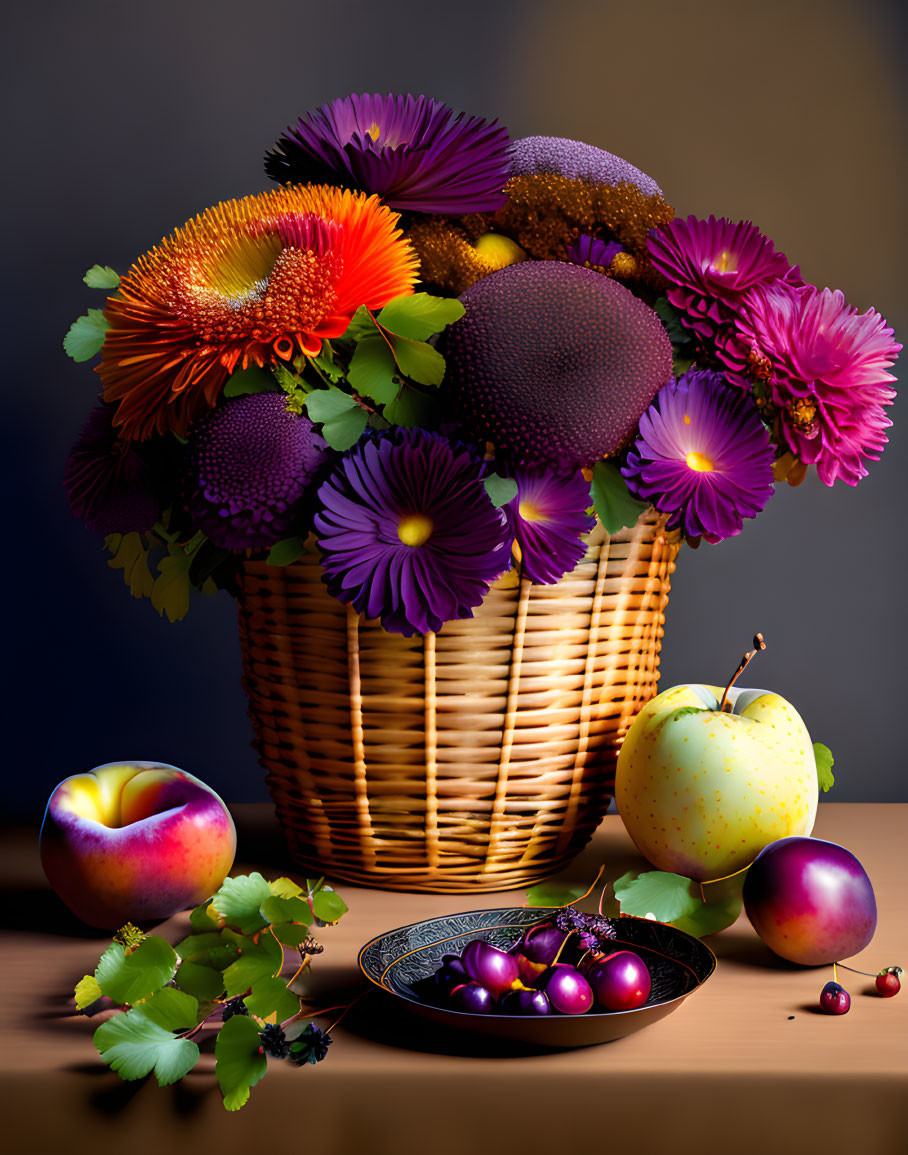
(702, 455)
(576, 161)
(108, 480)
(311, 1046)
(408, 533)
(413, 151)
(252, 462)
(593, 252)
(547, 517)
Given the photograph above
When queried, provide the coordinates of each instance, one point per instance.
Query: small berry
(233, 1007)
(273, 1041)
(834, 999)
(888, 983)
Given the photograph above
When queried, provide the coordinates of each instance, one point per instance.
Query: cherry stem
(854, 971)
(759, 644)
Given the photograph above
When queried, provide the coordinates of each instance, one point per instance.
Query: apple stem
(759, 644)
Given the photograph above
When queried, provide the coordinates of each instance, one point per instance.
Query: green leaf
(88, 991)
(238, 1064)
(102, 277)
(130, 554)
(419, 361)
(213, 950)
(326, 364)
(269, 996)
(201, 920)
(258, 961)
(285, 552)
(342, 420)
(133, 1045)
(251, 380)
(129, 978)
(501, 490)
(86, 335)
(172, 1009)
(205, 983)
(290, 933)
(825, 763)
(173, 585)
(553, 894)
(710, 917)
(671, 319)
(362, 324)
(239, 900)
(660, 893)
(411, 409)
(284, 888)
(419, 315)
(372, 371)
(286, 910)
(328, 905)
(615, 506)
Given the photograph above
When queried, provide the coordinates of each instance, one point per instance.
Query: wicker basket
(478, 758)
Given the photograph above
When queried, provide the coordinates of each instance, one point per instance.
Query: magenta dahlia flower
(547, 517)
(413, 151)
(710, 264)
(703, 456)
(576, 161)
(407, 531)
(251, 465)
(826, 367)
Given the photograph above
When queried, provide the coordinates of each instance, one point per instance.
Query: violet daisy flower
(407, 531)
(252, 463)
(703, 456)
(547, 517)
(592, 252)
(413, 151)
(710, 264)
(825, 367)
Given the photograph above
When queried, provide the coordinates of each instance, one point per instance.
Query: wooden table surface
(746, 1064)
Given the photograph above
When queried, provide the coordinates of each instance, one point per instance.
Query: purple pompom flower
(703, 456)
(576, 161)
(408, 533)
(413, 151)
(547, 517)
(252, 462)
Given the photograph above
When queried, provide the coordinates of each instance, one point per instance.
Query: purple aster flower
(710, 265)
(547, 517)
(825, 367)
(413, 151)
(576, 161)
(703, 455)
(252, 462)
(593, 252)
(408, 533)
(108, 480)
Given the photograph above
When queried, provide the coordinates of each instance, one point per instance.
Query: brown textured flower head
(252, 281)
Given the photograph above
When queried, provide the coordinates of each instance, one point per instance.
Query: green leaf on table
(88, 991)
(210, 950)
(129, 978)
(419, 361)
(238, 1064)
(553, 894)
(258, 961)
(172, 1009)
(419, 315)
(239, 900)
(284, 888)
(102, 277)
(200, 919)
(328, 905)
(290, 933)
(341, 418)
(205, 983)
(86, 335)
(615, 505)
(710, 917)
(269, 996)
(411, 409)
(285, 552)
(501, 490)
(372, 371)
(132, 1044)
(250, 380)
(825, 762)
(286, 910)
(659, 893)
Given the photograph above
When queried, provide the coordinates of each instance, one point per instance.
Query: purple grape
(620, 981)
(567, 989)
(834, 999)
(542, 943)
(492, 968)
(525, 1003)
(452, 973)
(473, 998)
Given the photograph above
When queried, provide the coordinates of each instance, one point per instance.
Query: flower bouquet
(439, 409)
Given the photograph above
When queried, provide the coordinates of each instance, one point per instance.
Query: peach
(135, 842)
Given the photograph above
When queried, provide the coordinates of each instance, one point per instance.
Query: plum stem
(759, 644)
(854, 970)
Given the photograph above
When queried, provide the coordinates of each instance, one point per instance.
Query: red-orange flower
(257, 280)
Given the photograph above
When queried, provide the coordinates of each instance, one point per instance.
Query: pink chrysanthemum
(710, 264)
(825, 365)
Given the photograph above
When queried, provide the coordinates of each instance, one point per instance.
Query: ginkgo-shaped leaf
(284, 888)
(659, 893)
(553, 894)
(286, 910)
(238, 1064)
(269, 996)
(615, 505)
(171, 1009)
(212, 950)
(419, 315)
(204, 982)
(129, 978)
(173, 585)
(130, 554)
(86, 335)
(258, 961)
(328, 905)
(239, 900)
(132, 1045)
(341, 418)
(102, 277)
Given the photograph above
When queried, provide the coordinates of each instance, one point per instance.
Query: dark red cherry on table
(887, 982)
(834, 999)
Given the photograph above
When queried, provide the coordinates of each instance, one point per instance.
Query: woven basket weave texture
(478, 758)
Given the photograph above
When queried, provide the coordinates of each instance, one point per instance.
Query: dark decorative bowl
(400, 961)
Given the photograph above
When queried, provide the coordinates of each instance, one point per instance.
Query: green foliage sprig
(227, 977)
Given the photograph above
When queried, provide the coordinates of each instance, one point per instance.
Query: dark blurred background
(125, 120)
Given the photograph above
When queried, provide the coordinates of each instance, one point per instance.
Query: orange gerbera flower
(258, 280)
